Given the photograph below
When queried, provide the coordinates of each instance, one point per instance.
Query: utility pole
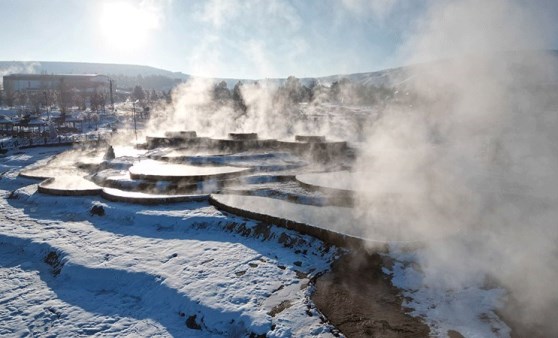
(111, 97)
(46, 104)
(135, 125)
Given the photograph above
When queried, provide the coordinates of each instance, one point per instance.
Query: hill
(128, 76)
(86, 68)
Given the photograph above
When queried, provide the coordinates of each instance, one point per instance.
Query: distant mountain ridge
(85, 68)
(133, 71)
(127, 75)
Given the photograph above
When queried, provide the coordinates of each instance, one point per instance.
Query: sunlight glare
(127, 26)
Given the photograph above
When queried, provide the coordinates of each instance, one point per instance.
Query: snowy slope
(179, 270)
(183, 270)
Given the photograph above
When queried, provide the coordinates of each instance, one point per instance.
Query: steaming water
(156, 168)
(70, 182)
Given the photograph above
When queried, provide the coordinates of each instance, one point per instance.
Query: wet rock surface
(358, 299)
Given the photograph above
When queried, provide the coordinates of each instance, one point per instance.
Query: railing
(38, 141)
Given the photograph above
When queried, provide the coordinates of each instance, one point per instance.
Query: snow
(143, 271)
(150, 270)
(470, 310)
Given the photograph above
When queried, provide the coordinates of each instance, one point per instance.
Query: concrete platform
(259, 161)
(306, 219)
(336, 225)
(161, 171)
(175, 140)
(70, 185)
(189, 155)
(316, 147)
(118, 195)
(310, 138)
(65, 163)
(123, 181)
(45, 172)
(336, 182)
(243, 136)
(187, 134)
(238, 145)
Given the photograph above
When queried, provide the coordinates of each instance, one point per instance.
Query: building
(85, 83)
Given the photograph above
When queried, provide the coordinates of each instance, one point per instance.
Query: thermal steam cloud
(476, 152)
(469, 145)
(24, 67)
(268, 112)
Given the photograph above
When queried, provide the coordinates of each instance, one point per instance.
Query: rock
(97, 210)
(13, 195)
(53, 259)
(192, 324)
(109, 155)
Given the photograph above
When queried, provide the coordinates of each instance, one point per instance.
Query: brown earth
(359, 299)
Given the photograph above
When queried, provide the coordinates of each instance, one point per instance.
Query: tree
(95, 119)
(20, 98)
(93, 101)
(340, 90)
(81, 100)
(36, 99)
(138, 93)
(168, 96)
(9, 98)
(154, 96)
(237, 97)
(294, 89)
(64, 96)
(221, 92)
(318, 92)
(98, 101)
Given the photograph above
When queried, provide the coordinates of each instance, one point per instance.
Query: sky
(227, 38)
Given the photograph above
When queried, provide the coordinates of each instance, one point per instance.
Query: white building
(88, 83)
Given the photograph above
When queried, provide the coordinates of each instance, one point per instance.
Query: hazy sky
(225, 38)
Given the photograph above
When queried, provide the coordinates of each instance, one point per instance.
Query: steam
(20, 67)
(473, 149)
(269, 112)
(252, 25)
(468, 146)
(193, 108)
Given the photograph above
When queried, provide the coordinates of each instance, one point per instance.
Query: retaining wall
(328, 236)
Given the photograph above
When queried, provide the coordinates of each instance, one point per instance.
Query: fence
(39, 141)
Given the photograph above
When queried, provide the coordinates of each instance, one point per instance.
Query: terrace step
(117, 195)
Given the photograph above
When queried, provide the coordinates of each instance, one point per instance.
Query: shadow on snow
(116, 293)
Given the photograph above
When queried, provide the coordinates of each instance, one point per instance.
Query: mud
(358, 299)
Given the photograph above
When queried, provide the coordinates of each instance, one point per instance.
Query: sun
(126, 25)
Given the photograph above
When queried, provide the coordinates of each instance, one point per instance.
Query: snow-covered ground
(181, 270)
(470, 309)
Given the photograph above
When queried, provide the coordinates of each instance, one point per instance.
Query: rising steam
(20, 67)
(475, 151)
(269, 112)
(469, 143)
